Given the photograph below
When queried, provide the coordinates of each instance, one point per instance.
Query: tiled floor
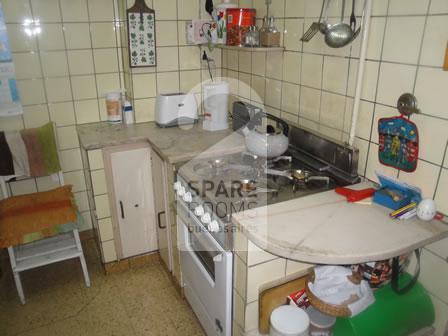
(141, 301)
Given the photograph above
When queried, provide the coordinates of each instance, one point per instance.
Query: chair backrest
(6, 179)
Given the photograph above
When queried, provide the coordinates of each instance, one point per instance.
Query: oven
(206, 273)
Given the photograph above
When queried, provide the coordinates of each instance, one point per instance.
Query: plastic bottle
(222, 20)
(113, 106)
(128, 113)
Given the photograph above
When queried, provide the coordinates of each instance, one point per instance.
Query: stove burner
(217, 163)
(248, 185)
(301, 174)
(209, 168)
(313, 183)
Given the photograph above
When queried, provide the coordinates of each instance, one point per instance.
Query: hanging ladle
(339, 34)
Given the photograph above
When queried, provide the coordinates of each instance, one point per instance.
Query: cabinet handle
(158, 220)
(121, 208)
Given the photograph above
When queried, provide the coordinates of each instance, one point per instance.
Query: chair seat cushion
(38, 212)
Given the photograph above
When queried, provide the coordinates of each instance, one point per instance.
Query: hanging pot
(268, 142)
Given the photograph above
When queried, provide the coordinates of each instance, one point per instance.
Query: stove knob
(199, 211)
(187, 197)
(206, 219)
(177, 185)
(213, 226)
(181, 191)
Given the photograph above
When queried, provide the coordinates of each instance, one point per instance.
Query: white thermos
(216, 101)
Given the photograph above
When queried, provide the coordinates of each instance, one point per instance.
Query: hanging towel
(45, 135)
(29, 152)
(35, 152)
(19, 154)
(6, 161)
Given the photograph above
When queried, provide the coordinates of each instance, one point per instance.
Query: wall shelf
(251, 49)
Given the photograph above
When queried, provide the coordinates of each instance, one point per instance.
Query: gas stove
(215, 188)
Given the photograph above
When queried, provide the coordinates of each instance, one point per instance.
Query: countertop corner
(173, 144)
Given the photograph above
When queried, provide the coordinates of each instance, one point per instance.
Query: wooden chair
(44, 251)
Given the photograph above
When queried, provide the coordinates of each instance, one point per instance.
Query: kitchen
(78, 51)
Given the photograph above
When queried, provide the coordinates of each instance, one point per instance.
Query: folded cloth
(19, 154)
(6, 161)
(37, 212)
(332, 285)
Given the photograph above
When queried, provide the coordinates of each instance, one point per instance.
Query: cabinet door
(161, 207)
(134, 202)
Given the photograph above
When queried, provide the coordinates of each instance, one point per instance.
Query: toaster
(174, 109)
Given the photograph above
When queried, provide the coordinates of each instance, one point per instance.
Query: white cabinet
(129, 175)
(159, 176)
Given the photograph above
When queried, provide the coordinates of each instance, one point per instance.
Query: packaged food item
(379, 273)
(238, 22)
(299, 299)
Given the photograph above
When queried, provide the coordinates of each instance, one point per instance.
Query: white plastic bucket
(289, 321)
(320, 323)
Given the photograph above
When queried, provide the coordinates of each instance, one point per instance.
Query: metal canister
(238, 22)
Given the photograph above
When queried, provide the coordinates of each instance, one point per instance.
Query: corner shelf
(250, 49)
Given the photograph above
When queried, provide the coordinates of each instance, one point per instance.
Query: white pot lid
(290, 320)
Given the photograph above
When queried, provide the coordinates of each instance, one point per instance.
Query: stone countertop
(173, 144)
(325, 229)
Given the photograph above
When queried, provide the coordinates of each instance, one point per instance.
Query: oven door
(207, 275)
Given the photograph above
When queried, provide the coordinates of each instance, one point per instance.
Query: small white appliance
(173, 109)
(216, 105)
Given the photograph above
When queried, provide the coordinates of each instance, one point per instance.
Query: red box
(238, 22)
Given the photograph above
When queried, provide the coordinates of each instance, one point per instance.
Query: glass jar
(269, 34)
(252, 37)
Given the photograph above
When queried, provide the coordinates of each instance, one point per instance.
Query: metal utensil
(353, 23)
(353, 17)
(209, 6)
(324, 24)
(339, 34)
(356, 33)
(314, 28)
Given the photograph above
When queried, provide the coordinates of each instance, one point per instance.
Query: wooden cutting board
(274, 297)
